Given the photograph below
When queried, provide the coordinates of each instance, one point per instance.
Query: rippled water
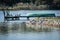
(54, 35)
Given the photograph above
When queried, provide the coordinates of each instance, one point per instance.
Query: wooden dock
(18, 17)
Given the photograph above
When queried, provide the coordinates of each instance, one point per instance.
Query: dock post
(4, 14)
(27, 18)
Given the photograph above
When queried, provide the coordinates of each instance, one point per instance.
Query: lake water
(53, 35)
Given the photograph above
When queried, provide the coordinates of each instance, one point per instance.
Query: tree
(9, 2)
(38, 2)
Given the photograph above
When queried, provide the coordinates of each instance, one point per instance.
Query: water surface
(53, 35)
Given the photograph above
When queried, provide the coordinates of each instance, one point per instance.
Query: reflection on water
(18, 31)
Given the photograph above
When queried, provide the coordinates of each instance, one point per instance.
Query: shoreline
(44, 22)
